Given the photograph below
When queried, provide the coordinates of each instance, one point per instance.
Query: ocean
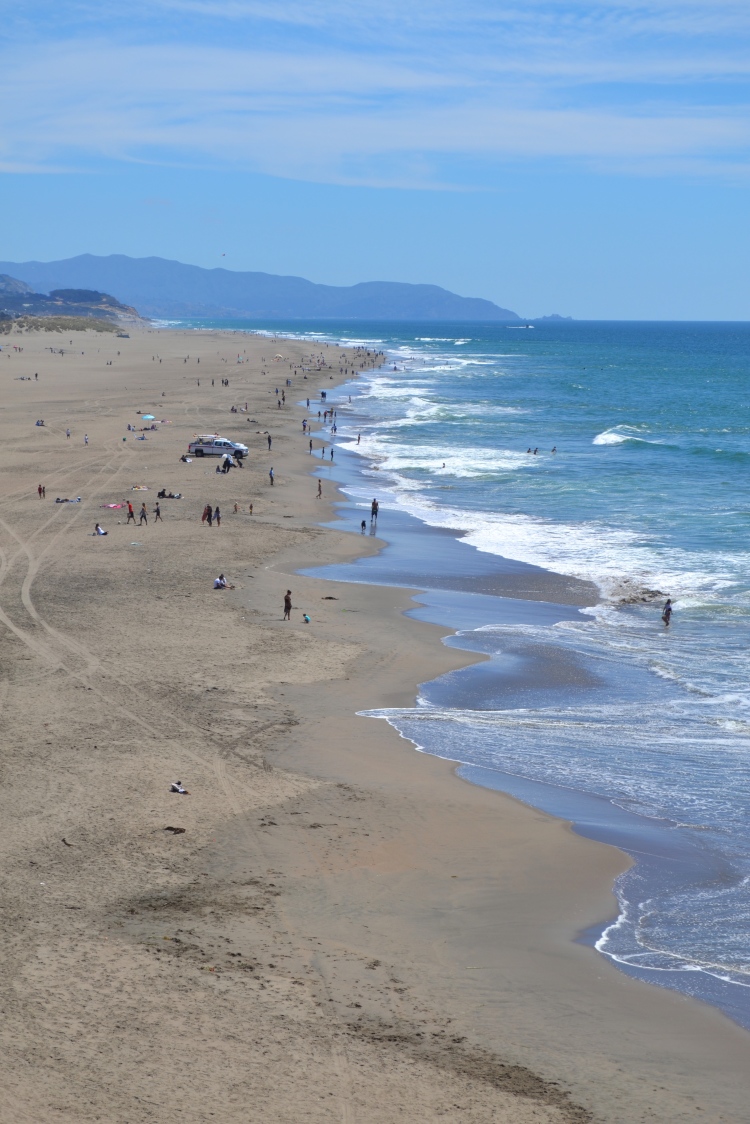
(617, 453)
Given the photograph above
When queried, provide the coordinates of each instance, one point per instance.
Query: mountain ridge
(159, 287)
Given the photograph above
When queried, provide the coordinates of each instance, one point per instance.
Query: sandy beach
(330, 926)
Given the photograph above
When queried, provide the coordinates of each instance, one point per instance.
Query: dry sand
(342, 931)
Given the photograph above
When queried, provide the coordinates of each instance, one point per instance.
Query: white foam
(466, 463)
(621, 433)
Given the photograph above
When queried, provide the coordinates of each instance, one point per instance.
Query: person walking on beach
(209, 514)
(270, 476)
(269, 442)
(217, 516)
(67, 433)
(374, 510)
(144, 516)
(131, 513)
(666, 615)
(39, 490)
(311, 446)
(320, 490)
(157, 514)
(204, 516)
(288, 605)
(85, 438)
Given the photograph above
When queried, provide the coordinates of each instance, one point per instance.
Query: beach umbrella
(147, 417)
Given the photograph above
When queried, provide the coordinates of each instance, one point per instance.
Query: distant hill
(11, 286)
(158, 287)
(17, 299)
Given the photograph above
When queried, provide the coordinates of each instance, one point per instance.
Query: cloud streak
(377, 94)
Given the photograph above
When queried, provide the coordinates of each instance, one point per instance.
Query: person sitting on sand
(220, 582)
(98, 530)
(177, 786)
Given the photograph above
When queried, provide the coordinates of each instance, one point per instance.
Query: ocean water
(647, 496)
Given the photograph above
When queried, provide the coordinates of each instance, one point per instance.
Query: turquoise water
(648, 496)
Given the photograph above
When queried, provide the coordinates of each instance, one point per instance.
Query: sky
(590, 159)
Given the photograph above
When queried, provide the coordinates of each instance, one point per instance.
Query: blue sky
(584, 158)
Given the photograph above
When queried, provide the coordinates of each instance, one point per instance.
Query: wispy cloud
(381, 92)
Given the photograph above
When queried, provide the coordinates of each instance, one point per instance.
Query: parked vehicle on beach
(211, 445)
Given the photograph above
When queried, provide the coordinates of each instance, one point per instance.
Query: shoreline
(467, 589)
(410, 938)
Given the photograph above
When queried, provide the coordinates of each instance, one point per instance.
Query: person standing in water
(666, 615)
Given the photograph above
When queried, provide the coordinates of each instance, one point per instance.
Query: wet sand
(341, 930)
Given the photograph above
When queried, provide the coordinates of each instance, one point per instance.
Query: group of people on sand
(211, 515)
(143, 517)
(288, 608)
(143, 514)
